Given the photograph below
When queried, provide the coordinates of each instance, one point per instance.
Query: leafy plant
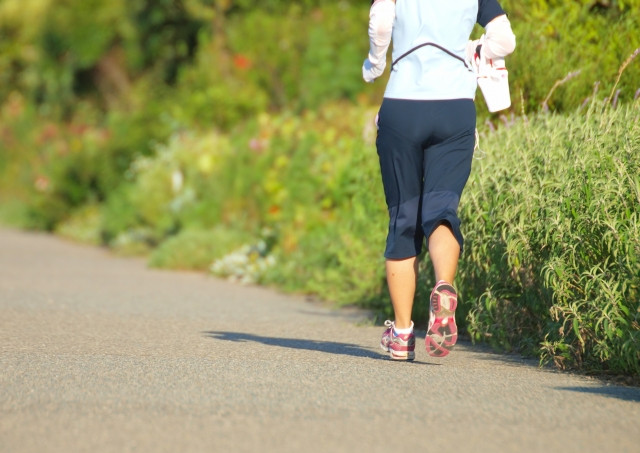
(551, 213)
(195, 249)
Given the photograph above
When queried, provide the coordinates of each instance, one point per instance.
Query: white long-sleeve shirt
(428, 72)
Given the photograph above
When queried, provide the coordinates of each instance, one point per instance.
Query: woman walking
(426, 138)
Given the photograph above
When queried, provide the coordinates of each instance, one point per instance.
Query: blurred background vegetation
(236, 137)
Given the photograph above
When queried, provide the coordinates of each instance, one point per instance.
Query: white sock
(403, 331)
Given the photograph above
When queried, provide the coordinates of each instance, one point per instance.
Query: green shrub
(551, 218)
(77, 167)
(314, 181)
(18, 166)
(305, 58)
(297, 55)
(83, 225)
(54, 167)
(197, 249)
(584, 40)
(248, 263)
(163, 187)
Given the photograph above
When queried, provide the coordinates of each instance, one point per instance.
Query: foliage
(301, 178)
(317, 188)
(58, 52)
(58, 167)
(584, 37)
(196, 249)
(165, 189)
(245, 265)
(82, 225)
(221, 55)
(552, 218)
(302, 70)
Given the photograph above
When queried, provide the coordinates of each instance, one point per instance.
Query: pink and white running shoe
(442, 332)
(400, 346)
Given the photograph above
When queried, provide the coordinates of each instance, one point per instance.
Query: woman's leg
(447, 166)
(402, 274)
(442, 331)
(401, 156)
(401, 278)
(444, 251)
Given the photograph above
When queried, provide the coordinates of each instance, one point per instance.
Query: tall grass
(552, 215)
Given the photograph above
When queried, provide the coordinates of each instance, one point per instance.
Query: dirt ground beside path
(99, 353)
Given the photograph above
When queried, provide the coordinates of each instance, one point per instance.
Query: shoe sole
(443, 334)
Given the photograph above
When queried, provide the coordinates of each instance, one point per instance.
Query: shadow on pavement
(622, 393)
(329, 347)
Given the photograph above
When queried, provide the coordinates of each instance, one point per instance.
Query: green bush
(303, 58)
(551, 218)
(165, 186)
(579, 42)
(314, 182)
(221, 55)
(54, 167)
(82, 225)
(82, 164)
(311, 181)
(18, 140)
(202, 97)
(197, 249)
(59, 168)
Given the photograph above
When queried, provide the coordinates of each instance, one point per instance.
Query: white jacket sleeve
(497, 42)
(499, 38)
(381, 18)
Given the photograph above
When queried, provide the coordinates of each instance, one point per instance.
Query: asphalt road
(100, 354)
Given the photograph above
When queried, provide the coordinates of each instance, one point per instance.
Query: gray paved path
(100, 354)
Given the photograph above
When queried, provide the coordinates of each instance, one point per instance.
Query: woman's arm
(497, 42)
(499, 39)
(381, 18)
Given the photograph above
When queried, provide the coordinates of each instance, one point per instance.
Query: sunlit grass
(553, 216)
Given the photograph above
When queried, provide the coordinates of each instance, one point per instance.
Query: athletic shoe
(400, 346)
(442, 333)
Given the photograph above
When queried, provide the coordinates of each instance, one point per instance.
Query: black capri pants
(425, 150)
